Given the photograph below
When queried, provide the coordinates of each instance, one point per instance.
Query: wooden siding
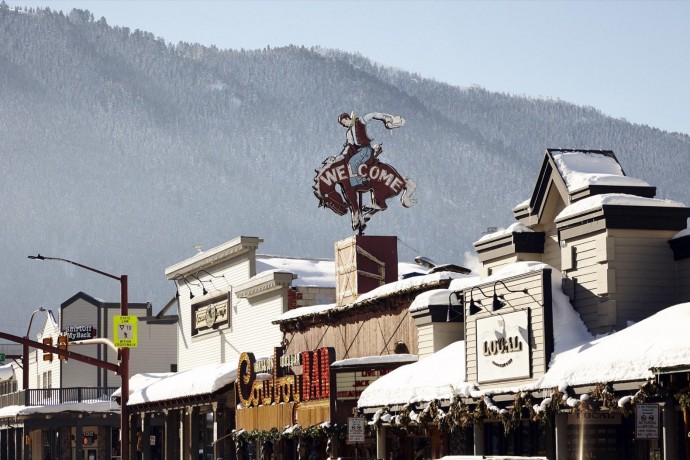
(552, 249)
(250, 329)
(490, 267)
(157, 349)
(432, 337)
(645, 274)
(204, 348)
(585, 274)
(265, 417)
(539, 327)
(425, 340)
(74, 373)
(361, 334)
(620, 276)
(683, 277)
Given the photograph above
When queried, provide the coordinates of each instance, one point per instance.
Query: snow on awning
(199, 380)
(660, 341)
(401, 358)
(6, 372)
(439, 376)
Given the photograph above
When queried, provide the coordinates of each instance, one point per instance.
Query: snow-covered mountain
(123, 152)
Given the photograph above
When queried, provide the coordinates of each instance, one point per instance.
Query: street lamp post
(124, 352)
(25, 352)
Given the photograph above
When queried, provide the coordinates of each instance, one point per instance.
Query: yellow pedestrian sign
(125, 332)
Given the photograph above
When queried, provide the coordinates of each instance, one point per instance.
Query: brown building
(331, 352)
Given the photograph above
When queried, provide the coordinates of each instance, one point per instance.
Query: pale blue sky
(628, 59)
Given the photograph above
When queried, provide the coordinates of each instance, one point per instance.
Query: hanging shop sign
(503, 347)
(286, 397)
(211, 313)
(80, 332)
(343, 181)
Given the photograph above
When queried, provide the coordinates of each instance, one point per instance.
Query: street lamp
(25, 352)
(124, 352)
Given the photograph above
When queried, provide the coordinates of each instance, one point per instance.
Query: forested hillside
(123, 152)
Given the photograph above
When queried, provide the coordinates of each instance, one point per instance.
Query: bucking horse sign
(343, 180)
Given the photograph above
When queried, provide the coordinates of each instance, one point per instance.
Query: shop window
(47, 383)
(527, 439)
(461, 442)
(206, 436)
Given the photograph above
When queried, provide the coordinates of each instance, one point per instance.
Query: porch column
(172, 433)
(190, 432)
(669, 434)
(381, 443)
(79, 438)
(144, 445)
(479, 438)
(216, 446)
(25, 448)
(561, 422)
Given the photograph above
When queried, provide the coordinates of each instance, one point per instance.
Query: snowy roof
(313, 272)
(433, 297)
(439, 376)
(582, 169)
(6, 372)
(375, 360)
(310, 272)
(682, 233)
(616, 199)
(516, 227)
(660, 341)
(85, 406)
(146, 388)
(381, 292)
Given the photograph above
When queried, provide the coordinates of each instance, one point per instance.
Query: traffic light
(63, 341)
(47, 356)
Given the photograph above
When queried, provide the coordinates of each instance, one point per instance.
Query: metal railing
(57, 396)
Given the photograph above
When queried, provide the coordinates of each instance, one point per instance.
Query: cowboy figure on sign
(357, 170)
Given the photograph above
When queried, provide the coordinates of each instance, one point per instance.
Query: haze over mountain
(123, 152)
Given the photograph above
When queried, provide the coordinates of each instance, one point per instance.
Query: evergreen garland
(412, 419)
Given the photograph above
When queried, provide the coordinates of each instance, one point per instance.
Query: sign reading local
(125, 331)
(503, 347)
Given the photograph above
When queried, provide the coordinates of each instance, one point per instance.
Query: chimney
(363, 263)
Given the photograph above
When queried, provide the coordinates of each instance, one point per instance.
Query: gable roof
(576, 174)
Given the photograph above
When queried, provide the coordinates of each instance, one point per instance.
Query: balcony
(55, 396)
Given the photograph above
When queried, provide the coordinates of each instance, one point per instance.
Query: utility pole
(123, 368)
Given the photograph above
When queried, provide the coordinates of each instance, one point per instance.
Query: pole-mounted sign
(342, 180)
(125, 331)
